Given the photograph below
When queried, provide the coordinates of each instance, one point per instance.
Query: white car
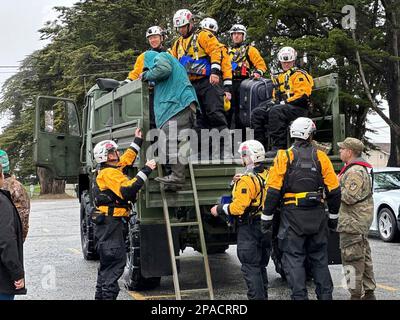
(386, 193)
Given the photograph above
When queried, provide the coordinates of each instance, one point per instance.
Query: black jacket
(11, 250)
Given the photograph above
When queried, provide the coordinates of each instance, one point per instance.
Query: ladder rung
(184, 224)
(195, 290)
(198, 256)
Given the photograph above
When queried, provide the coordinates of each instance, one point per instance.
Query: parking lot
(56, 270)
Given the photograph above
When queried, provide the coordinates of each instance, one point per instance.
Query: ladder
(198, 222)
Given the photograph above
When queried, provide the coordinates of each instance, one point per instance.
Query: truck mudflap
(154, 250)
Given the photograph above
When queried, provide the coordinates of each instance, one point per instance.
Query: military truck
(64, 140)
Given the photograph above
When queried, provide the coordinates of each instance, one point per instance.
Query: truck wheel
(87, 228)
(133, 276)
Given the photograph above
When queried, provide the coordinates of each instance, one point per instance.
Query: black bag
(252, 93)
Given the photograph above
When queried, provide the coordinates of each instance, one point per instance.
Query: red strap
(360, 163)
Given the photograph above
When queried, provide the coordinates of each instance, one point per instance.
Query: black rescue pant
(253, 250)
(234, 121)
(111, 248)
(280, 117)
(296, 247)
(211, 99)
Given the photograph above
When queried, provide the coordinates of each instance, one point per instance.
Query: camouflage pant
(357, 263)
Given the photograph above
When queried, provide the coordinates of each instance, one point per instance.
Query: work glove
(266, 226)
(332, 224)
(125, 82)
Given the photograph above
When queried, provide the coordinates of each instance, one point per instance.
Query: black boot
(176, 178)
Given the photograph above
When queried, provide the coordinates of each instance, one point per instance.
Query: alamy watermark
(173, 145)
(349, 21)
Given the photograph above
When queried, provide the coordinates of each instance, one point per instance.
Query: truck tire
(87, 228)
(387, 225)
(133, 275)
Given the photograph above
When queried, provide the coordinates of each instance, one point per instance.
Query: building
(379, 158)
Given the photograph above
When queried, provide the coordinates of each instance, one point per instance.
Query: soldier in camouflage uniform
(18, 193)
(355, 218)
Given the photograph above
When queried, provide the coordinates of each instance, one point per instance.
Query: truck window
(73, 121)
(59, 117)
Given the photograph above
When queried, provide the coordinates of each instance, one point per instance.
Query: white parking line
(73, 250)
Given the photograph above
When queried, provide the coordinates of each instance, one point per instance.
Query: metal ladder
(198, 222)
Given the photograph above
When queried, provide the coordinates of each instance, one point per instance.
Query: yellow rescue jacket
(246, 59)
(226, 66)
(248, 194)
(277, 175)
(138, 68)
(112, 178)
(200, 53)
(293, 86)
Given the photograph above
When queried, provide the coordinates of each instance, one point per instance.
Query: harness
(303, 182)
(288, 74)
(254, 210)
(192, 63)
(241, 63)
(108, 198)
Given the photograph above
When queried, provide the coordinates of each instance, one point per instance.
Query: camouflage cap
(4, 161)
(352, 144)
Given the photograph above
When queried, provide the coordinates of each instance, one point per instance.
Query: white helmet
(209, 24)
(102, 149)
(302, 128)
(239, 28)
(287, 54)
(155, 30)
(252, 149)
(182, 18)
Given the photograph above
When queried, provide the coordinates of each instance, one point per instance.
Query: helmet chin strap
(248, 163)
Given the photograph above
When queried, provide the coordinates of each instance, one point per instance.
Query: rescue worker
(175, 104)
(246, 62)
(355, 218)
(292, 98)
(226, 64)
(199, 51)
(114, 195)
(18, 193)
(248, 195)
(156, 37)
(302, 178)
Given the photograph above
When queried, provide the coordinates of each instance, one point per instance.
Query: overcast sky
(20, 21)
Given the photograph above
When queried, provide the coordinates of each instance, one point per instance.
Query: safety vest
(108, 198)
(282, 85)
(193, 57)
(241, 63)
(303, 184)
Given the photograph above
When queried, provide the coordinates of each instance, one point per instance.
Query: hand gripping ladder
(198, 222)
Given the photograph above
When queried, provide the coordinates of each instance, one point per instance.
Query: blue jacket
(173, 91)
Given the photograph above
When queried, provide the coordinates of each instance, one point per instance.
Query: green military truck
(64, 140)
